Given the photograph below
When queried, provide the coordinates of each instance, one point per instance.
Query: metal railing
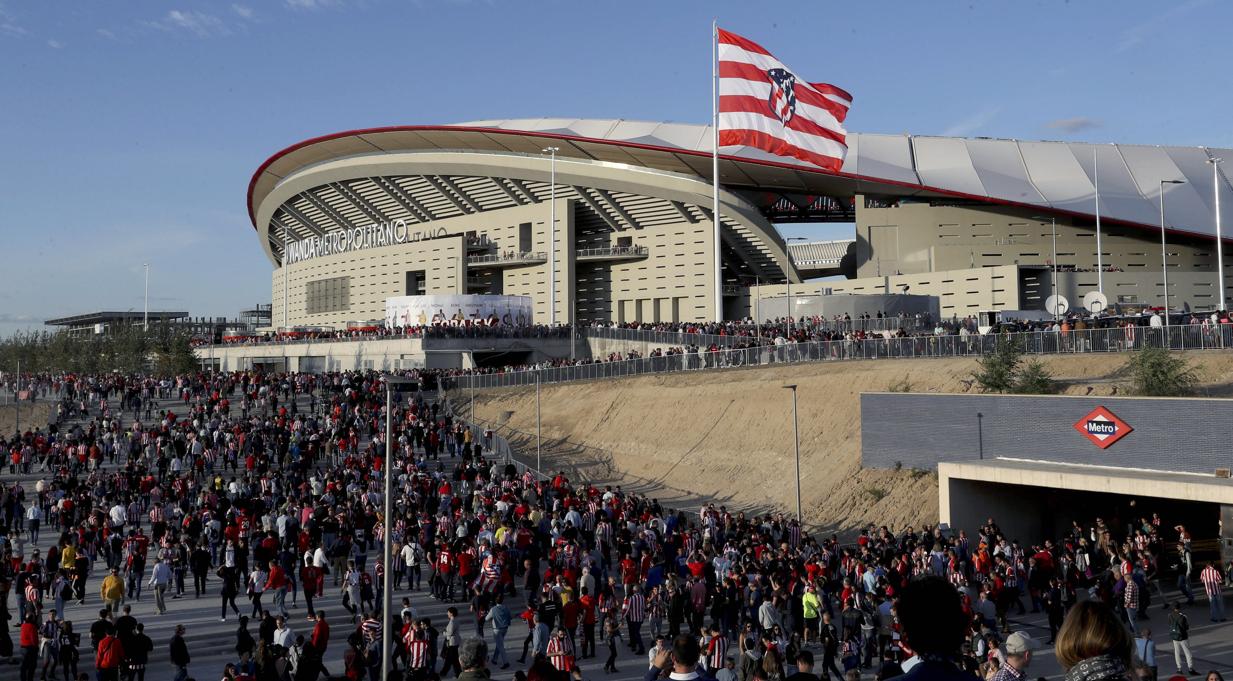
(1188, 337)
(742, 334)
(498, 258)
(628, 251)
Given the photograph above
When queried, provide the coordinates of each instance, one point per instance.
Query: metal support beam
(680, 208)
(517, 184)
(462, 196)
(432, 182)
(418, 210)
(513, 196)
(593, 205)
(302, 219)
(616, 207)
(359, 202)
(320, 204)
(758, 263)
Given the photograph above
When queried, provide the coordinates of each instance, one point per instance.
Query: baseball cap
(1019, 643)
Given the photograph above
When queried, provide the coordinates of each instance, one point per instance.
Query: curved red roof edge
(252, 184)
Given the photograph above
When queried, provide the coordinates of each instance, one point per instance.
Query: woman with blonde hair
(1094, 645)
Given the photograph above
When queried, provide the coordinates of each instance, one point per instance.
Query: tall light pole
(1164, 254)
(285, 282)
(388, 521)
(1219, 239)
(539, 438)
(796, 437)
(787, 273)
(145, 314)
(1053, 279)
(1100, 261)
(552, 234)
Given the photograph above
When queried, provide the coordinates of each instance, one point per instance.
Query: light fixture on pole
(796, 438)
(552, 234)
(539, 438)
(1100, 256)
(387, 521)
(1219, 238)
(145, 315)
(1164, 254)
(787, 275)
(1053, 279)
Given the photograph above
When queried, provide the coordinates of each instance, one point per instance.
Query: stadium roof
(91, 318)
(1046, 176)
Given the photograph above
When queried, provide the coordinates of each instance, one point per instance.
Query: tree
(999, 368)
(1156, 372)
(1035, 379)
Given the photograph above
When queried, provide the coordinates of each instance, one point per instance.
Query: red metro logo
(1102, 427)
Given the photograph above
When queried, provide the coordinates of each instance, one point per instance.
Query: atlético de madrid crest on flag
(782, 99)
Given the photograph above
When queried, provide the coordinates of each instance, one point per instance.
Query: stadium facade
(353, 218)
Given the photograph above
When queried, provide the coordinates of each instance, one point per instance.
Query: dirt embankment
(31, 415)
(726, 436)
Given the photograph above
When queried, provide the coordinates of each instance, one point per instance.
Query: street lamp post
(1219, 239)
(788, 278)
(1164, 256)
(145, 314)
(796, 437)
(552, 234)
(388, 520)
(1053, 278)
(539, 438)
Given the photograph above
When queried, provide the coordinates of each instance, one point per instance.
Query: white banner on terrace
(456, 310)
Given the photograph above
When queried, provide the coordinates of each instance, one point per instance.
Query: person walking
(1213, 584)
(160, 579)
(451, 639)
(1145, 651)
(634, 609)
(499, 617)
(112, 590)
(179, 654)
(1179, 633)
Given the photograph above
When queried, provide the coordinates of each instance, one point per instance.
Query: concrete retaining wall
(919, 430)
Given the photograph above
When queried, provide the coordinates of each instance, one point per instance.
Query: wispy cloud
(1075, 124)
(312, 4)
(243, 11)
(8, 23)
(199, 24)
(1151, 26)
(10, 318)
(55, 44)
(973, 123)
(106, 33)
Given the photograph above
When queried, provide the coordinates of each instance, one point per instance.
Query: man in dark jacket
(179, 653)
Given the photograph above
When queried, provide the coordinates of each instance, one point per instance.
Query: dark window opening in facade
(415, 283)
(328, 295)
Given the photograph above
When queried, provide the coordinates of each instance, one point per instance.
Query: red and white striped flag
(763, 104)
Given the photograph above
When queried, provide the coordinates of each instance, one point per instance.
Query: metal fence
(744, 333)
(1188, 337)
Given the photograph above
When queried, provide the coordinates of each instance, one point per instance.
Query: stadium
(353, 218)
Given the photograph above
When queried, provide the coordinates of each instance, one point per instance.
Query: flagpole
(1100, 263)
(719, 289)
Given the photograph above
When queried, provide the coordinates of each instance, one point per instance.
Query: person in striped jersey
(561, 651)
(416, 645)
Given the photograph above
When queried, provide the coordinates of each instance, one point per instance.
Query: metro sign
(1102, 427)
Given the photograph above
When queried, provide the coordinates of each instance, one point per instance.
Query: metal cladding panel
(682, 135)
(944, 163)
(1001, 171)
(1119, 194)
(1059, 176)
(1192, 161)
(1184, 207)
(887, 157)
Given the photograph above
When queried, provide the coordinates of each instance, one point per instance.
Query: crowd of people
(256, 489)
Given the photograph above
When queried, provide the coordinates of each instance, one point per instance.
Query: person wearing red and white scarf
(561, 651)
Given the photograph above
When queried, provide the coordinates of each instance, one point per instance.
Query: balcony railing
(613, 252)
(511, 258)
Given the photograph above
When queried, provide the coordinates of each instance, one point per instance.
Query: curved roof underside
(1049, 176)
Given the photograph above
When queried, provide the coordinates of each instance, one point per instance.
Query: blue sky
(129, 131)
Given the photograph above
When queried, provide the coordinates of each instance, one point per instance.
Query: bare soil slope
(726, 436)
(32, 415)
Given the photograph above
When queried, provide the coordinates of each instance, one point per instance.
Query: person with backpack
(109, 656)
(1179, 633)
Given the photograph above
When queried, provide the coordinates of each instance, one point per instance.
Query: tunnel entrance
(1034, 501)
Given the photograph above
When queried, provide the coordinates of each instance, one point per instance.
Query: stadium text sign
(1102, 427)
(371, 236)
